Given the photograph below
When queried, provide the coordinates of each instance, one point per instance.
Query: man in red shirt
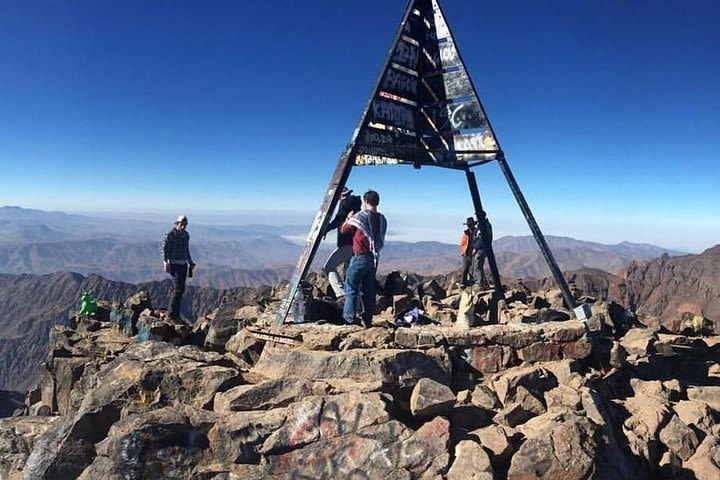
(368, 229)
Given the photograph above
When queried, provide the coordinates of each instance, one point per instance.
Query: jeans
(179, 274)
(339, 256)
(360, 275)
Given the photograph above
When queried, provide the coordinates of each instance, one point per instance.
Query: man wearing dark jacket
(483, 241)
(343, 252)
(177, 260)
(466, 250)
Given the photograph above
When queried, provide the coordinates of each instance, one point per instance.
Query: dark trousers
(478, 265)
(467, 263)
(179, 274)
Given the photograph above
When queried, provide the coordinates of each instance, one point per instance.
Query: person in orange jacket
(466, 249)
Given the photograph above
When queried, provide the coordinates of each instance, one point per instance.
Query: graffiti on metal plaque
(425, 109)
(392, 113)
(400, 83)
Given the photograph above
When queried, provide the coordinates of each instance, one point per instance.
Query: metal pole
(557, 274)
(330, 200)
(480, 214)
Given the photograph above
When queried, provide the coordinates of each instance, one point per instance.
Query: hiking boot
(368, 322)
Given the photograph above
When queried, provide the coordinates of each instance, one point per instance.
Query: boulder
(139, 446)
(433, 289)
(394, 368)
(17, 438)
(137, 303)
(697, 413)
(150, 328)
(466, 310)
(471, 463)
(319, 418)
(562, 398)
(486, 358)
(679, 438)
(641, 428)
(237, 437)
(528, 401)
(400, 304)
(705, 462)
(267, 395)
(347, 442)
(220, 330)
(66, 372)
(430, 398)
(651, 388)
(245, 347)
(707, 394)
(498, 441)
(639, 342)
(485, 397)
(452, 301)
(557, 446)
(535, 379)
(394, 284)
(618, 355)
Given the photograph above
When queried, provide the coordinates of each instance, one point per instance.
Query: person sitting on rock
(368, 229)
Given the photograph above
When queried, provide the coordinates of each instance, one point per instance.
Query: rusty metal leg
(557, 274)
(330, 200)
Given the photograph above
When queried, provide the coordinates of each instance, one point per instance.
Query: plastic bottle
(298, 307)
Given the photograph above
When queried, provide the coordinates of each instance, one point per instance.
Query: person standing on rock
(483, 241)
(341, 255)
(367, 229)
(466, 250)
(177, 262)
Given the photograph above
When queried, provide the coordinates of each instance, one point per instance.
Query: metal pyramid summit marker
(424, 111)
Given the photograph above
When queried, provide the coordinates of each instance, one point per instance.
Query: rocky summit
(468, 386)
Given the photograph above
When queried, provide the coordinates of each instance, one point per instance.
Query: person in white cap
(341, 255)
(177, 262)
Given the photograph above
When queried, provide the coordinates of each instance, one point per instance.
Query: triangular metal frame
(412, 118)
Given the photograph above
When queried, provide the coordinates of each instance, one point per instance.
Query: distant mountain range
(35, 241)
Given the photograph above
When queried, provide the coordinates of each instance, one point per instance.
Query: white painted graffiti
(466, 115)
(378, 138)
(400, 82)
(406, 54)
(393, 114)
(448, 55)
(475, 141)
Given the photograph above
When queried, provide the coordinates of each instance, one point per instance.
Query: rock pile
(130, 395)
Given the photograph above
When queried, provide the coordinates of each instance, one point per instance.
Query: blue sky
(608, 112)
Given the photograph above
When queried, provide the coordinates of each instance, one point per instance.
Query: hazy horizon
(445, 228)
